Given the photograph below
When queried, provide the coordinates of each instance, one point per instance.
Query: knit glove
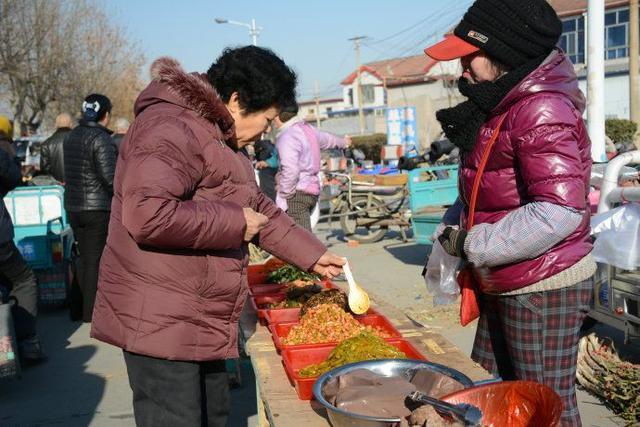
(452, 240)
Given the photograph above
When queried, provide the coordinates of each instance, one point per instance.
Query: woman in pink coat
(299, 145)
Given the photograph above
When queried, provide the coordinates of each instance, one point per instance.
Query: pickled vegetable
(328, 323)
(364, 346)
(296, 294)
(328, 296)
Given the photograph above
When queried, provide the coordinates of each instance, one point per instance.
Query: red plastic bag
(512, 404)
(469, 308)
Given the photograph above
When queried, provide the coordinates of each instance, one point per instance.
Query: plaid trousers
(301, 206)
(535, 337)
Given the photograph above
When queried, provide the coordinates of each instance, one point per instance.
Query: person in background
(299, 145)
(173, 277)
(267, 164)
(51, 152)
(14, 271)
(89, 167)
(530, 248)
(122, 126)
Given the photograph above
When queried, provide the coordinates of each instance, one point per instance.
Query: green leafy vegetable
(289, 273)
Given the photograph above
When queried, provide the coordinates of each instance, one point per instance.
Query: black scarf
(461, 123)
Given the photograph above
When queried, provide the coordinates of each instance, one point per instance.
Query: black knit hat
(511, 31)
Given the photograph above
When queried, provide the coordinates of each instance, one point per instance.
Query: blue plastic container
(428, 198)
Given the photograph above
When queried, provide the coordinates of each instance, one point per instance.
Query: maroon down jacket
(173, 273)
(542, 154)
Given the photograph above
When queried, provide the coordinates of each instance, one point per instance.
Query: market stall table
(278, 403)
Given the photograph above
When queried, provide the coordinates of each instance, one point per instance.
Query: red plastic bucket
(513, 403)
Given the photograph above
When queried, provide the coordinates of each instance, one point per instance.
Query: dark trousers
(175, 393)
(90, 231)
(18, 277)
(268, 182)
(301, 206)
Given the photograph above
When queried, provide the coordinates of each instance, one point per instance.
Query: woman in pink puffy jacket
(529, 250)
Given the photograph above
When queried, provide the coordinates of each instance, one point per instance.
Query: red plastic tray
(283, 315)
(295, 359)
(260, 300)
(257, 274)
(273, 288)
(266, 289)
(281, 330)
(291, 315)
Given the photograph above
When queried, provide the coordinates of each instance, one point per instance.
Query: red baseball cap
(452, 47)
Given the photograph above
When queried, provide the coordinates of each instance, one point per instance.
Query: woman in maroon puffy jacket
(529, 248)
(173, 275)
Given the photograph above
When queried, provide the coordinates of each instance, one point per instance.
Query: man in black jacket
(14, 271)
(51, 154)
(89, 166)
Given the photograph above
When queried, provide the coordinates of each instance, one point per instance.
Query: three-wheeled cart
(44, 237)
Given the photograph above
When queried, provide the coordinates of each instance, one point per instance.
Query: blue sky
(310, 36)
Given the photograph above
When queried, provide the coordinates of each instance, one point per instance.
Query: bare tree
(53, 53)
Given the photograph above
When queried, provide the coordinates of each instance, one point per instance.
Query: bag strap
(478, 177)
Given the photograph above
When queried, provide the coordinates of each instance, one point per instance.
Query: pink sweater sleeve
(328, 141)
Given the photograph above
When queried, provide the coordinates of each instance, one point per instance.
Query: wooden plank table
(278, 403)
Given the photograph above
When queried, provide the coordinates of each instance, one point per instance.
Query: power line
(399, 32)
(330, 87)
(399, 48)
(417, 36)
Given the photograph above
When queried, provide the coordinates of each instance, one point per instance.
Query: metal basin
(388, 368)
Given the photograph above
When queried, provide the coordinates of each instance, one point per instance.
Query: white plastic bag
(440, 275)
(315, 216)
(618, 236)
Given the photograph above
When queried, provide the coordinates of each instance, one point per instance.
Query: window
(572, 39)
(312, 110)
(328, 110)
(368, 94)
(350, 96)
(616, 42)
(616, 34)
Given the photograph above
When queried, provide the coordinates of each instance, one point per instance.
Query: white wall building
(573, 41)
(307, 109)
(414, 81)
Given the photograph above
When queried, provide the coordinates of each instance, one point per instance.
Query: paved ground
(84, 382)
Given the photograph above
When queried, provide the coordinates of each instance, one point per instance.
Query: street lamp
(254, 31)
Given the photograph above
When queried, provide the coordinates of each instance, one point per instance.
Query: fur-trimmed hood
(170, 83)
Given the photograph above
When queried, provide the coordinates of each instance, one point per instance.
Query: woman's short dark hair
(260, 77)
(95, 107)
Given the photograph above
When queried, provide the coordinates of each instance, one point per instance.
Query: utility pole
(254, 31)
(356, 40)
(634, 53)
(595, 79)
(317, 105)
